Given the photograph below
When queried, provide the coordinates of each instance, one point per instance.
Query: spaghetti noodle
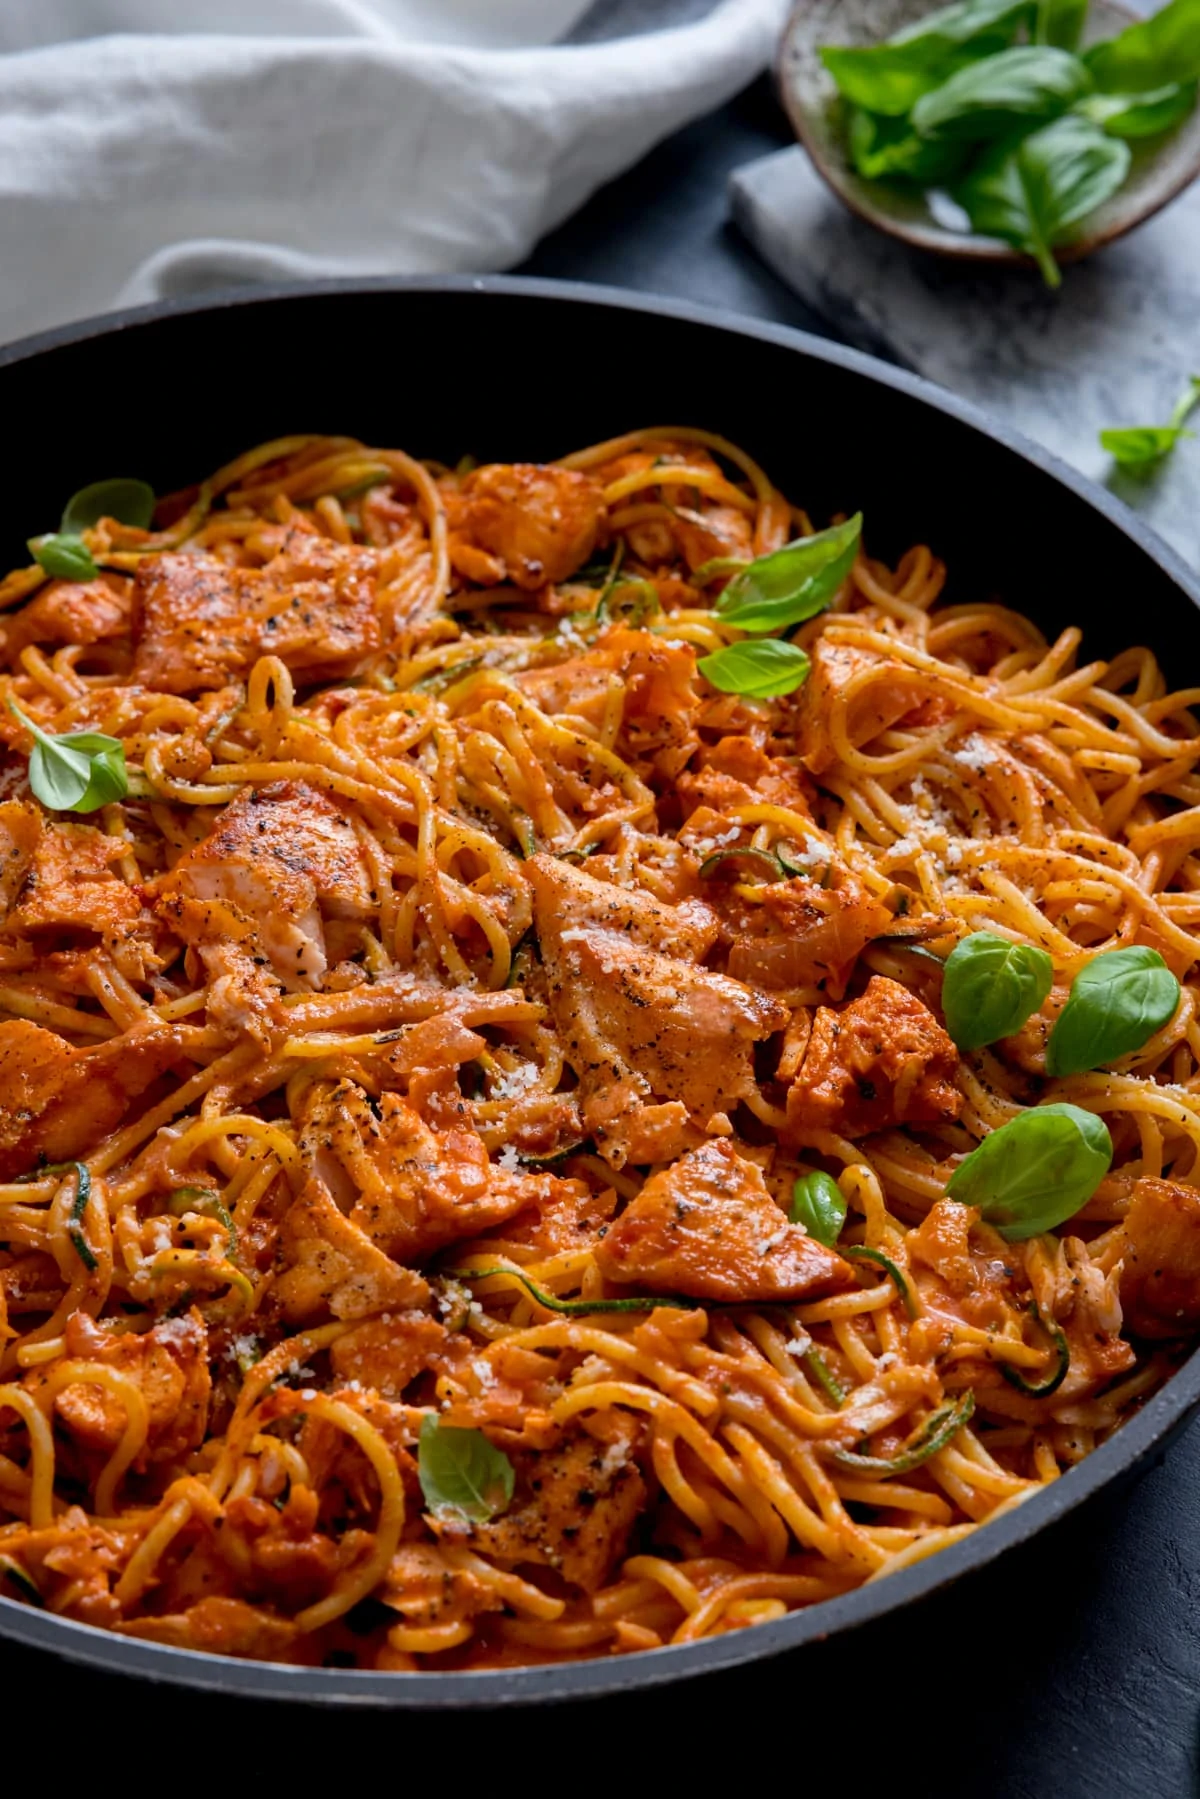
(437, 1027)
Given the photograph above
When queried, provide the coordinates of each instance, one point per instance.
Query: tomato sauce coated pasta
(407, 1067)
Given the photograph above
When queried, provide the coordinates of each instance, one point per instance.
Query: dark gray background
(1071, 1671)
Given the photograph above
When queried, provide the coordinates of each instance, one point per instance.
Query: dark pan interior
(515, 370)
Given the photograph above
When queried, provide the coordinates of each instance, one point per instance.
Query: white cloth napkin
(157, 147)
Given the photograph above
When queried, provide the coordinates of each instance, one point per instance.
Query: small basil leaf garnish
(129, 502)
(1115, 1006)
(818, 1205)
(1162, 49)
(1003, 93)
(1031, 194)
(1036, 1171)
(991, 986)
(891, 77)
(1135, 446)
(1060, 22)
(78, 772)
(761, 670)
(792, 584)
(1141, 115)
(64, 556)
(462, 1474)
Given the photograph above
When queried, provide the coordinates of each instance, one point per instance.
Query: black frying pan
(519, 369)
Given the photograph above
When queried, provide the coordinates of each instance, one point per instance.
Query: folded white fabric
(137, 165)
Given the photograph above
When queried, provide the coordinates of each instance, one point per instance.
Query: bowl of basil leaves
(997, 130)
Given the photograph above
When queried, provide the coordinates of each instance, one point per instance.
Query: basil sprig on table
(991, 986)
(1036, 1171)
(818, 1204)
(462, 1473)
(63, 553)
(776, 593)
(998, 103)
(1116, 1005)
(1138, 446)
(77, 772)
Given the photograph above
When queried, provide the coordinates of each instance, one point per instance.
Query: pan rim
(489, 1688)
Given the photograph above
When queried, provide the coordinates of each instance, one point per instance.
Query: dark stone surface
(1070, 1671)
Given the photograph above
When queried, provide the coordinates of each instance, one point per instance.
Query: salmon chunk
(708, 1227)
(387, 1353)
(59, 1102)
(328, 1263)
(883, 1059)
(1160, 1280)
(522, 522)
(411, 1190)
(642, 1025)
(808, 935)
(886, 694)
(656, 683)
(73, 612)
(60, 876)
(574, 1509)
(169, 1366)
(218, 1626)
(278, 857)
(200, 623)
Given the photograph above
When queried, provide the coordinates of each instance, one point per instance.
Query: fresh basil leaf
(78, 772)
(1115, 1006)
(108, 781)
(761, 670)
(791, 584)
(1036, 1171)
(1138, 445)
(1135, 446)
(462, 1473)
(1060, 22)
(818, 1205)
(890, 77)
(1018, 87)
(1032, 192)
(1158, 52)
(991, 986)
(1141, 115)
(64, 556)
(884, 149)
(129, 502)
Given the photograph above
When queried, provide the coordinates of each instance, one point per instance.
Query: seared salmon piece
(411, 1190)
(737, 771)
(656, 682)
(57, 1102)
(574, 1508)
(73, 612)
(886, 696)
(61, 876)
(708, 1227)
(387, 1353)
(278, 857)
(883, 1059)
(578, 901)
(522, 522)
(804, 934)
(981, 1281)
(169, 1365)
(328, 1264)
(1160, 1279)
(423, 1587)
(219, 1626)
(200, 623)
(641, 1026)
